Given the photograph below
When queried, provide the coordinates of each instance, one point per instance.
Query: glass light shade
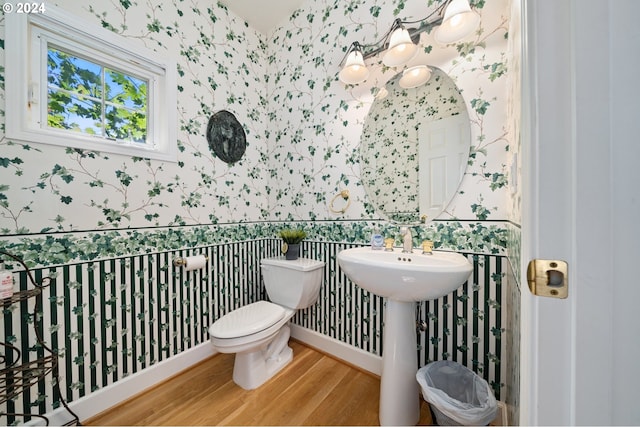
(415, 76)
(354, 70)
(459, 21)
(401, 48)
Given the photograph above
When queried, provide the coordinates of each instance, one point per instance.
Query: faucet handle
(427, 247)
(388, 243)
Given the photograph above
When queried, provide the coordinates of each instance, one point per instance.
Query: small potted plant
(292, 239)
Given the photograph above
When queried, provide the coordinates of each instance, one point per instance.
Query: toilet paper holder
(181, 262)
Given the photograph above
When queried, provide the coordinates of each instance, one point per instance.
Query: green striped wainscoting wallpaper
(110, 318)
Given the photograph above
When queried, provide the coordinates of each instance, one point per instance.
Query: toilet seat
(247, 320)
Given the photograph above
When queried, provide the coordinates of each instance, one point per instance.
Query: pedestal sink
(403, 279)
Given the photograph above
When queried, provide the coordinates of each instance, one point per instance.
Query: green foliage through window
(93, 99)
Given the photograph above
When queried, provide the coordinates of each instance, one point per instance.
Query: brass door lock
(548, 278)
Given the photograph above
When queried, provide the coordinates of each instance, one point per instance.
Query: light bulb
(455, 20)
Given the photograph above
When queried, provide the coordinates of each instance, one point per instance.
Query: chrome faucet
(407, 240)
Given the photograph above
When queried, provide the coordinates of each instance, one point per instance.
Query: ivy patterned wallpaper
(59, 207)
(221, 65)
(322, 31)
(303, 126)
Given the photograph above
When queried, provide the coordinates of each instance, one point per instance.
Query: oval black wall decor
(226, 136)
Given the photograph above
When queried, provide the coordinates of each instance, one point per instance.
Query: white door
(581, 203)
(443, 150)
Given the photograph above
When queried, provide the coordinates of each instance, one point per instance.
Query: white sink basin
(402, 276)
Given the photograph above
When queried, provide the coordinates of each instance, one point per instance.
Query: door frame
(546, 146)
(580, 148)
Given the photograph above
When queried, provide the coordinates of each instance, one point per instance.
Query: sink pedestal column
(399, 390)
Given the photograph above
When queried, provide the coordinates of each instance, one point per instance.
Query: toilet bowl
(258, 333)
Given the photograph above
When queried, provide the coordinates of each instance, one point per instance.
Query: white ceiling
(263, 15)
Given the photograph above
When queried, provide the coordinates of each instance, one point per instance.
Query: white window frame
(27, 37)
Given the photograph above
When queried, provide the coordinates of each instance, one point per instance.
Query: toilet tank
(292, 283)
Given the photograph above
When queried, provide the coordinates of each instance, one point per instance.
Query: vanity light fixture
(415, 76)
(454, 20)
(459, 21)
(401, 48)
(354, 70)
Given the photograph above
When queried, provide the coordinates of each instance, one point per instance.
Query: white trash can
(456, 394)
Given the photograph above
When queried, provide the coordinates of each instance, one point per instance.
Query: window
(74, 85)
(93, 99)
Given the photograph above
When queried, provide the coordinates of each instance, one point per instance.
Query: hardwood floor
(315, 389)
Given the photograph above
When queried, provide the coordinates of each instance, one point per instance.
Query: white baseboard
(501, 416)
(128, 387)
(352, 355)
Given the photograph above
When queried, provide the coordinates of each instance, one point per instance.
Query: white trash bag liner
(458, 393)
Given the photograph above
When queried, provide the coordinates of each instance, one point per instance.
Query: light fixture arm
(355, 46)
(426, 24)
(414, 33)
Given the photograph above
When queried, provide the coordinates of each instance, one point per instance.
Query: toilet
(258, 333)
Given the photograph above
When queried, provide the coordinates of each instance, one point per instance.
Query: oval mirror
(414, 149)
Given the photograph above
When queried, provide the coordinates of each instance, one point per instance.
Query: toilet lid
(247, 320)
